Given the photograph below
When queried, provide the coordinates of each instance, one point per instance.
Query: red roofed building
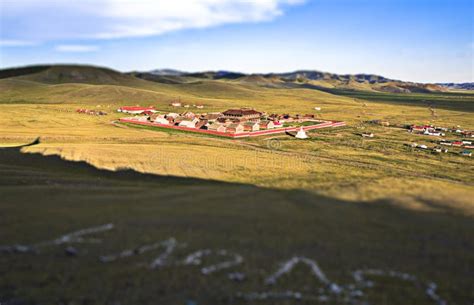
(136, 109)
(415, 128)
(235, 128)
(243, 114)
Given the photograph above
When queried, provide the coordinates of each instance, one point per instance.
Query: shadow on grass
(45, 196)
(443, 100)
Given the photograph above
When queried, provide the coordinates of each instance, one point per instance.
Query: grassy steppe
(265, 226)
(345, 201)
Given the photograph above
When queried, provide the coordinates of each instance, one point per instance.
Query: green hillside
(59, 74)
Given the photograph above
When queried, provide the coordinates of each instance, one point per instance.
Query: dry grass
(334, 162)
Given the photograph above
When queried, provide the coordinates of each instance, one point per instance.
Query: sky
(411, 40)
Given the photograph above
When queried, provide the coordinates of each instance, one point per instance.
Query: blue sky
(415, 40)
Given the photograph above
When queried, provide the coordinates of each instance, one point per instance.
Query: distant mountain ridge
(316, 79)
(461, 86)
(166, 72)
(307, 79)
(289, 76)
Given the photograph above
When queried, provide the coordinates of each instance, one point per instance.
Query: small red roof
(136, 108)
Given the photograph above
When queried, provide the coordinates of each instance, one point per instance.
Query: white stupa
(301, 134)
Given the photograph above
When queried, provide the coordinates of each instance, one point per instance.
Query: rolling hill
(61, 74)
(81, 74)
(367, 82)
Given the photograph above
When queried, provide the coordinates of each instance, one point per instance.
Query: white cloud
(64, 19)
(16, 43)
(76, 48)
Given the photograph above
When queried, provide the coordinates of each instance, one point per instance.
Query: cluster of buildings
(137, 110)
(230, 121)
(457, 143)
(91, 112)
(436, 149)
(431, 130)
(233, 123)
(441, 149)
(441, 132)
(428, 130)
(178, 104)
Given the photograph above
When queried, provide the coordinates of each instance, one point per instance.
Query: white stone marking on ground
(236, 276)
(359, 277)
(77, 236)
(317, 272)
(162, 259)
(169, 245)
(74, 237)
(195, 258)
(16, 249)
(295, 295)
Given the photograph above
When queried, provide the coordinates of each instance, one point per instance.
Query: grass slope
(265, 226)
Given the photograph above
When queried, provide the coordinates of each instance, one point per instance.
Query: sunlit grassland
(334, 162)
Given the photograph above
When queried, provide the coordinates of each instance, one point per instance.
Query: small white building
(251, 126)
(217, 127)
(162, 120)
(139, 119)
(433, 133)
(266, 125)
(172, 115)
(189, 123)
(301, 134)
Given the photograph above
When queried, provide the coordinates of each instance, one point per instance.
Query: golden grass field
(334, 162)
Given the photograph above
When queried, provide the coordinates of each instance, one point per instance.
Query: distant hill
(217, 75)
(306, 78)
(159, 78)
(61, 74)
(310, 79)
(21, 71)
(461, 86)
(166, 72)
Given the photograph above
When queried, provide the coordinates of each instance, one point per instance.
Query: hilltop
(61, 74)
